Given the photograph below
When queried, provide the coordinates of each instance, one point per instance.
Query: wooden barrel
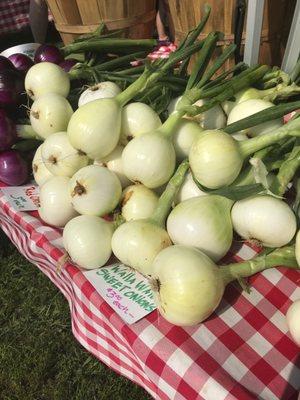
(278, 15)
(76, 17)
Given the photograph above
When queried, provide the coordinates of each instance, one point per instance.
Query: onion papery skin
(95, 190)
(188, 285)
(48, 53)
(102, 90)
(136, 244)
(137, 119)
(60, 157)
(214, 118)
(215, 159)
(46, 78)
(185, 135)
(40, 172)
(149, 159)
(95, 128)
(113, 161)
(49, 114)
(297, 248)
(203, 222)
(250, 107)
(8, 134)
(55, 202)
(188, 190)
(87, 239)
(13, 168)
(264, 219)
(138, 202)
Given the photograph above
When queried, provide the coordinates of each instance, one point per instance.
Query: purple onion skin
(8, 134)
(21, 62)
(49, 53)
(6, 64)
(66, 65)
(13, 168)
(11, 88)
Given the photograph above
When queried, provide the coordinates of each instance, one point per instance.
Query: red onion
(5, 64)
(11, 87)
(21, 62)
(47, 52)
(13, 168)
(8, 135)
(66, 65)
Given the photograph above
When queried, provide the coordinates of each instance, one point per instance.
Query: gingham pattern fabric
(242, 352)
(13, 15)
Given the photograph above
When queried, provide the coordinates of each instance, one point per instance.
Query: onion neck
(168, 128)
(137, 86)
(248, 147)
(284, 256)
(166, 199)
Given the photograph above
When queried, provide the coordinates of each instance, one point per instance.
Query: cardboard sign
(22, 198)
(124, 289)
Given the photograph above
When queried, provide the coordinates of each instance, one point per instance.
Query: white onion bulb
(95, 190)
(188, 190)
(50, 113)
(113, 161)
(265, 219)
(293, 321)
(60, 157)
(203, 222)
(55, 202)
(188, 286)
(184, 136)
(214, 118)
(40, 172)
(149, 159)
(250, 107)
(102, 90)
(297, 248)
(138, 202)
(87, 239)
(137, 119)
(44, 78)
(95, 128)
(136, 244)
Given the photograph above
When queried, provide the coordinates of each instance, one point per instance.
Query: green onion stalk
(287, 171)
(109, 45)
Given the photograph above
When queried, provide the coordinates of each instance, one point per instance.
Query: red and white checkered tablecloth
(14, 15)
(242, 352)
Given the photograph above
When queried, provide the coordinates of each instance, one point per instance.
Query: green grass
(39, 357)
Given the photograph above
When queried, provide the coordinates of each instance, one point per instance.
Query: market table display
(243, 351)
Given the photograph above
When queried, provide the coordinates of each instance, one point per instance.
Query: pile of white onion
(108, 157)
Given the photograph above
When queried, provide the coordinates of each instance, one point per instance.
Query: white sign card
(22, 198)
(124, 289)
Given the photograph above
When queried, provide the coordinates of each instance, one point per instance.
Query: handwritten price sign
(22, 198)
(124, 289)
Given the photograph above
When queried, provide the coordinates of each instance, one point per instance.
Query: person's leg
(38, 19)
